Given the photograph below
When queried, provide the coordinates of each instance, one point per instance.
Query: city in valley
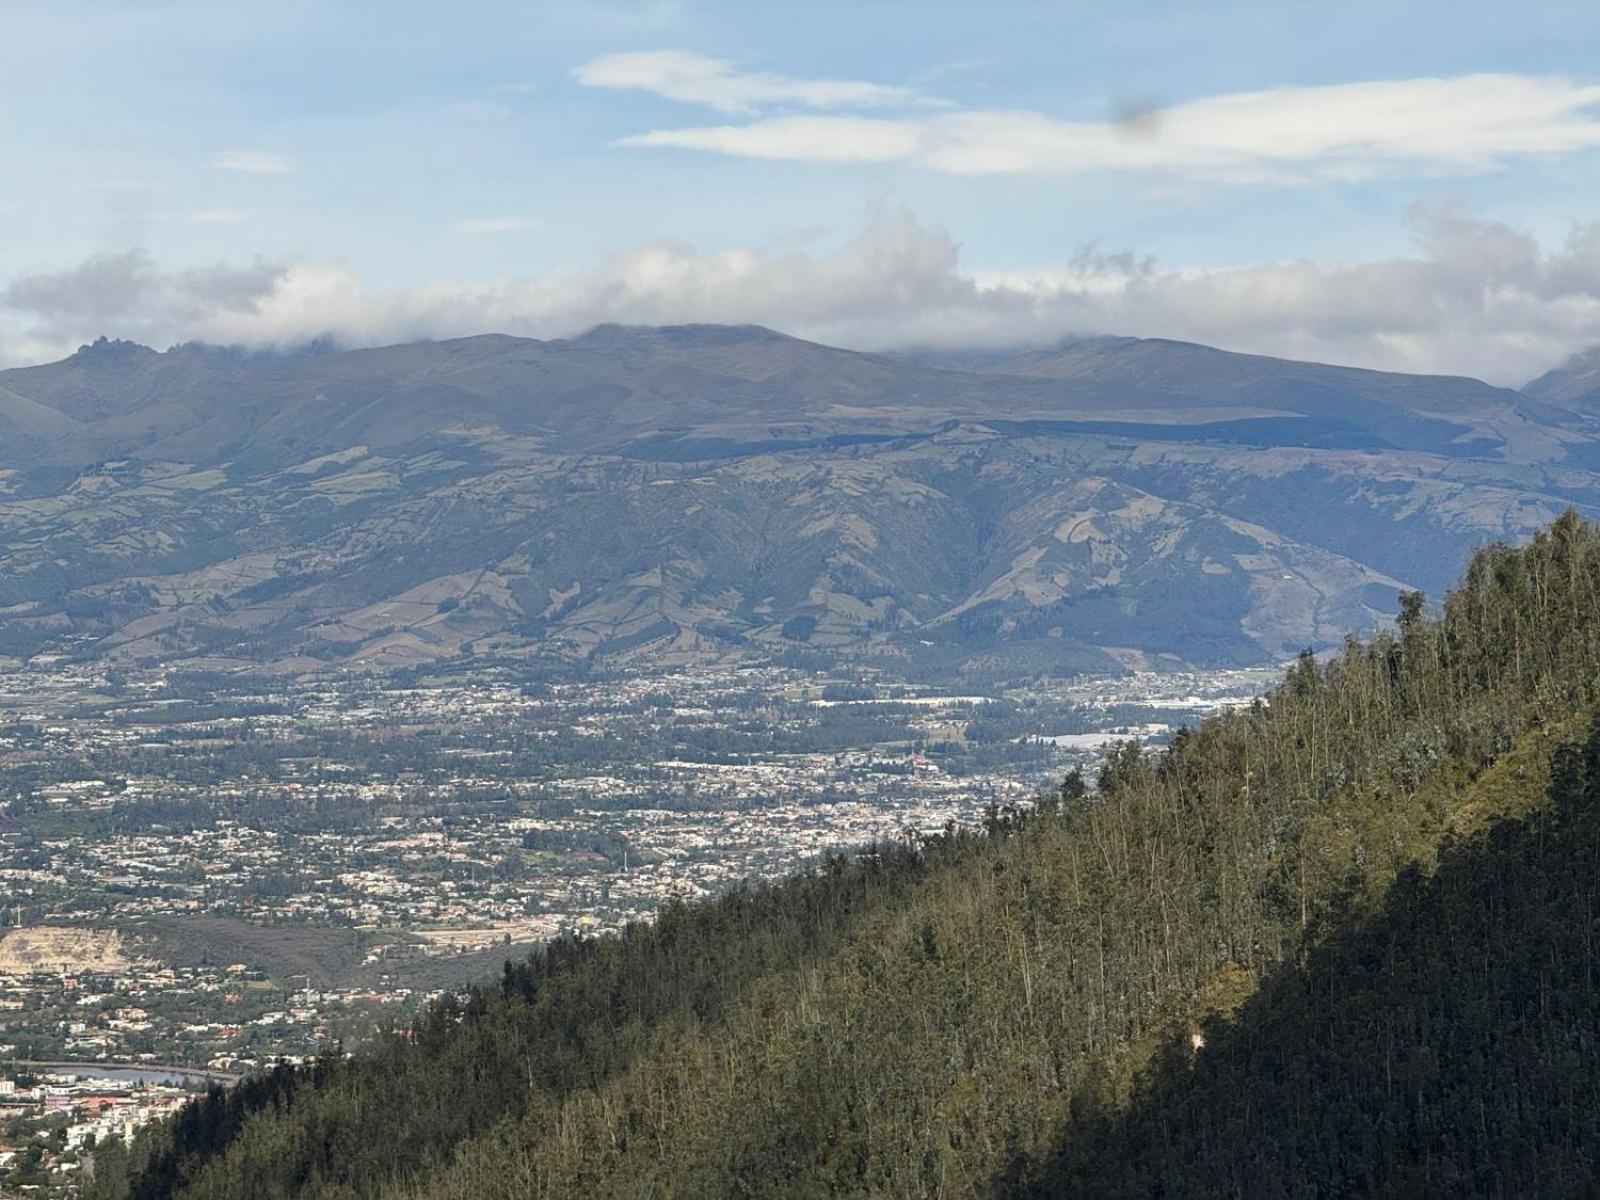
(204, 875)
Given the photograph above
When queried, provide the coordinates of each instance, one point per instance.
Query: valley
(226, 873)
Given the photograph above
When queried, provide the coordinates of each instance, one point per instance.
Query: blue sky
(385, 170)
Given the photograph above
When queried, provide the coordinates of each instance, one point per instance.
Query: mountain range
(692, 494)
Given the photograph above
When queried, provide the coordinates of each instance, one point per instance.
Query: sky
(1410, 186)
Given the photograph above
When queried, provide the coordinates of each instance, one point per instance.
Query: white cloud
(128, 293)
(1465, 124)
(1475, 298)
(221, 216)
(493, 225)
(719, 84)
(806, 139)
(254, 162)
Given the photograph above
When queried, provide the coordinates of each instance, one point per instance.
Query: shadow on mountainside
(1446, 1046)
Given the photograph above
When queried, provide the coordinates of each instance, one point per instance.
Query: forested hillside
(1443, 1046)
(1343, 940)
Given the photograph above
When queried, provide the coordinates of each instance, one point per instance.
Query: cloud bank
(1343, 132)
(1475, 298)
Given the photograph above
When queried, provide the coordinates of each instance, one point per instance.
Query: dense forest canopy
(1342, 940)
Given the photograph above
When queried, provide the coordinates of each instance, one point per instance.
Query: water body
(129, 1074)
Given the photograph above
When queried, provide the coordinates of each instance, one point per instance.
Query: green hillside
(1442, 1046)
(1369, 896)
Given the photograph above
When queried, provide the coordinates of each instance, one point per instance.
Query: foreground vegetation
(1302, 949)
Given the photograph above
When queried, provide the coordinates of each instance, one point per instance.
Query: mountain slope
(26, 425)
(1575, 384)
(1442, 414)
(964, 1015)
(1438, 1047)
(704, 493)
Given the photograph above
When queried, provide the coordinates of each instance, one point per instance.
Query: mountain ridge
(1576, 383)
(704, 493)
